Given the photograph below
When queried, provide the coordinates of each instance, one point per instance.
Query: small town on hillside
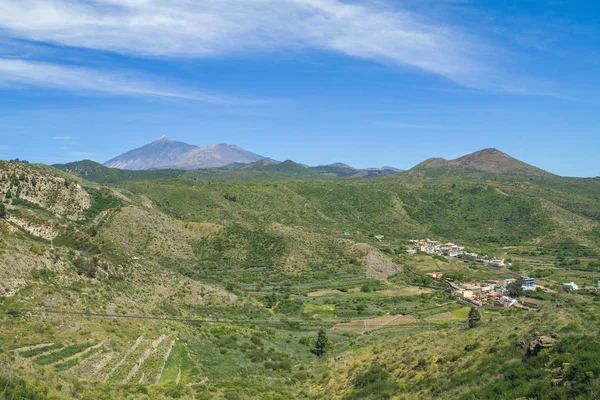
(435, 247)
(491, 293)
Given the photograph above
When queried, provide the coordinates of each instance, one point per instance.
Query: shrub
(374, 383)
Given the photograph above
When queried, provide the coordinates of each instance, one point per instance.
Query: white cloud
(78, 79)
(200, 29)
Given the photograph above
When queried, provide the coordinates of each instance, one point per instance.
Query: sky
(367, 82)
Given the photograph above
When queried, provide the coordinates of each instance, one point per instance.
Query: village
(491, 293)
(434, 247)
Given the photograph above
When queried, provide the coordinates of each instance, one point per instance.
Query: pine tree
(322, 343)
(271, 300)
(474, 317)
(2, 211)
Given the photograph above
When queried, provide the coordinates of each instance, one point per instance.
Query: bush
(84, 267)
(16, 388)
(374, 383)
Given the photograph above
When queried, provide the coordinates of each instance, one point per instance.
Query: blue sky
(369, 83)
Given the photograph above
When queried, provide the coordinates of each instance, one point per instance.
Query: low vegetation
(252, 285)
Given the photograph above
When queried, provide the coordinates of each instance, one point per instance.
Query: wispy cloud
(200, 29)
(79, 79)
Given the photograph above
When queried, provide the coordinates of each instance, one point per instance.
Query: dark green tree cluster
(2, 211)
(271, 300)
(474, 317)
(322, 344)
(515, 288)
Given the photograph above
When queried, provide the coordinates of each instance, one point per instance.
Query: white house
(497, 262)
(570, 286)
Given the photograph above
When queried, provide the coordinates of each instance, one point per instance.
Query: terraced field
(145, 361)
(377, 323)
(454, 315)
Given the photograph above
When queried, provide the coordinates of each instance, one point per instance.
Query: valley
(299, 200)
(197, 284)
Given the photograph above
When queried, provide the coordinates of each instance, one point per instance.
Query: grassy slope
(195, 252)
(505, 213)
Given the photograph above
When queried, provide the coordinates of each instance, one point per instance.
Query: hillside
(487, 161)
(263, 170)
(171, 284)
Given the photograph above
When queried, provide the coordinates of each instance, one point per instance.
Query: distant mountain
(232, 166)
(92, 171)
(156, 155)
(340, 165)
(393, 169)
(258, 164)
(490, 161)
(166, 153)
(288, 166)
(215, 156)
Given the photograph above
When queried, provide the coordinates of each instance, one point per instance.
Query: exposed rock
(541, 343)
(377, 265)
(44, 232)
(52, 300)
(63, 197)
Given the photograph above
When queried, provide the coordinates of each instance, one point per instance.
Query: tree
(474, 317)
(271, 300)
(322, 344)
(515, 288)
(2, 211)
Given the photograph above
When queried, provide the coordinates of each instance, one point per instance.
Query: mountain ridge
(166, 153)
(157, 154)
(489, 160)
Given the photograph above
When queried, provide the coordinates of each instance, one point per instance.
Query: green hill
(215, 284)
(484, 163)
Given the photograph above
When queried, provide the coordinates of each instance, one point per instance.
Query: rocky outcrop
(63, 197)
(541, 343)
(41, 231)
(376, 264)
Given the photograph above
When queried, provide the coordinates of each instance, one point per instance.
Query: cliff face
(62, 197)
